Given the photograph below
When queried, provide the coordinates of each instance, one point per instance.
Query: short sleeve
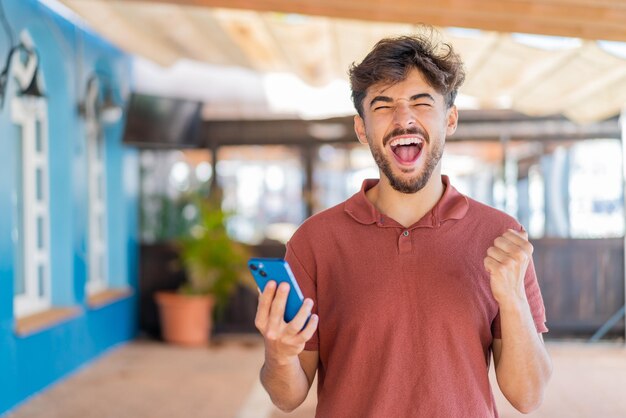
(535, 301)
(307, 286)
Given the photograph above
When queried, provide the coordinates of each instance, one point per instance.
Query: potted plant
(214, 265)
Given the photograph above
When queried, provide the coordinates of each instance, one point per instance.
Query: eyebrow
(386, 99)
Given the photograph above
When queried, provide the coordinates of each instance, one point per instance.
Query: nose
(403, 117)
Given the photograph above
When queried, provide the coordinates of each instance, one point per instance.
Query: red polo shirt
(407, 317)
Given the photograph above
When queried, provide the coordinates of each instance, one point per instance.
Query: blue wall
(68, 56)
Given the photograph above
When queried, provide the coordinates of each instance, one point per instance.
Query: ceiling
(318, 39)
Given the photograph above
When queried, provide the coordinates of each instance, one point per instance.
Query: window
(474, 169)
(31, 230)
(262, 188)
(595, 189)
(170, 182)
(98, 255)
(556, 189)
(340, 171)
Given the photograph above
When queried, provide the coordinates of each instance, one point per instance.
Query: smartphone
(265, 269)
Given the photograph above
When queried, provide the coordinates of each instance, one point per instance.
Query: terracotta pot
(185, 319)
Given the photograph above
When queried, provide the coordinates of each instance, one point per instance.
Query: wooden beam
(217, 40)
(574, 18)
(249, 32)
(599, 3)
(473, 126)
(183, 34)
(117, 28)
(547, 130)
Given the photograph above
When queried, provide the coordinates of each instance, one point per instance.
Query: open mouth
(407, 150)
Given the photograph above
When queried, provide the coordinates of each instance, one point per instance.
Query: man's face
(405, 125)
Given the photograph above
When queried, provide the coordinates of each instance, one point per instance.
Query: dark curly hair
(391, 59)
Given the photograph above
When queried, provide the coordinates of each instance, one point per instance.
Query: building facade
(68, 200)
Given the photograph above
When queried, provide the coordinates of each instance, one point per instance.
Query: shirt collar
(452, 205)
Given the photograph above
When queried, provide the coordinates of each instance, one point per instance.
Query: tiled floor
(150, 379)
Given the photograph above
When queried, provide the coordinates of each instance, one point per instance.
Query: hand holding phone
(283, 317)
(265, 269)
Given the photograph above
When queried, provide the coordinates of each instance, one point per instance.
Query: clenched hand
(506, 262)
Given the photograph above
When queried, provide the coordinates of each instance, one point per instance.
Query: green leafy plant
(214, 263)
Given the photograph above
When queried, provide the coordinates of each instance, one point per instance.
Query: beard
(414, 183)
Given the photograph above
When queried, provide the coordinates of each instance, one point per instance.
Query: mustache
(414, 130)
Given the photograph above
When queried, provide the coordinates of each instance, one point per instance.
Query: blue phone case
(265, 269)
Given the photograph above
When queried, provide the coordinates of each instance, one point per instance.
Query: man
(411, 284)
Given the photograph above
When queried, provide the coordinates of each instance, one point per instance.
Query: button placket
(404, 242)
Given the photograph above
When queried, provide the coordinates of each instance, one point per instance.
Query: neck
(406, 208)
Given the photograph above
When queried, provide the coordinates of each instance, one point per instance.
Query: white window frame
(97, 279)
(34, 243)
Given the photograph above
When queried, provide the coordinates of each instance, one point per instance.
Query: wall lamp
(27, 74)
(100, 107)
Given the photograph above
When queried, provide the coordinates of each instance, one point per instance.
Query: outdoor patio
(149, 379)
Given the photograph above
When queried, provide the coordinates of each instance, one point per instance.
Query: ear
(453, 119)
(359, 128)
